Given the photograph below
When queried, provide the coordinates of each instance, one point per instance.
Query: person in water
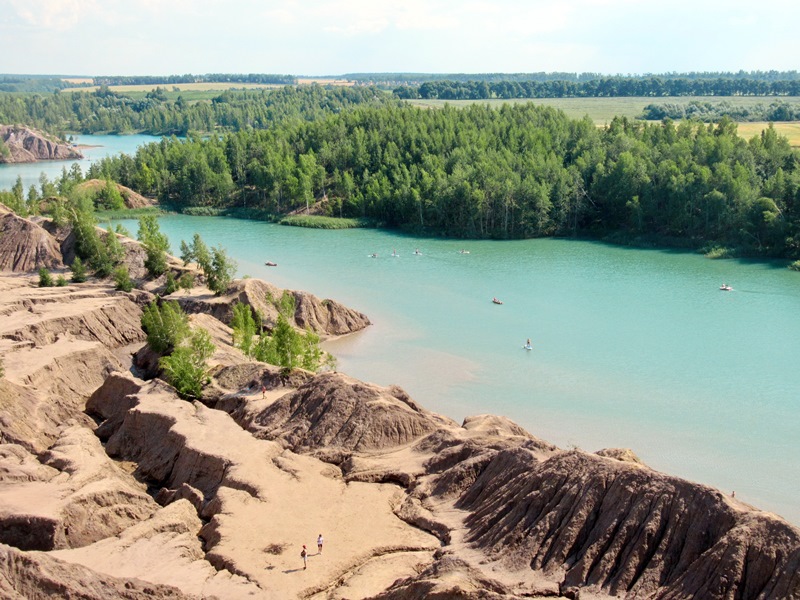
(528, 343)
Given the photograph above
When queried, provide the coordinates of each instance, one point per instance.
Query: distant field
(200, 87)
(789, 130)
(77, 80)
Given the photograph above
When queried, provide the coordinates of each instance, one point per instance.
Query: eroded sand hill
(111, 486)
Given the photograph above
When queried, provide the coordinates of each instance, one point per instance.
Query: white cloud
(58, 15)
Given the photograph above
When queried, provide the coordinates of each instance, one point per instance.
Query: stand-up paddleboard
(527, 347)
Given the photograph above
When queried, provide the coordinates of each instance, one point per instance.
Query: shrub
(78, 271)
(217, 266)
(165, 324)
(122, 279)
(61, 281)
(795, 266)
(155, 243)
(186, 282)
(186, 368)
(171, 284)
(45, 279)
(244, 327)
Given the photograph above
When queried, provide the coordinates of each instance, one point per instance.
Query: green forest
(513, 172)
(105, 111)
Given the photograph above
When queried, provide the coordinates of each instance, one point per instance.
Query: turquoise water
(98, 147)
(632, 348)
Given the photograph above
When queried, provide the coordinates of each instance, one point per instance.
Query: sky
(323, 37)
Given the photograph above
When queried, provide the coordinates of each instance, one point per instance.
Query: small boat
(463, 251)
(496, 301)
(269, 263)
(725, 287)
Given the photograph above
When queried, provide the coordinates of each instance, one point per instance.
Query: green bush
(78, 271)
(61, 281)
(244, 327)
(166, 326)
(217, 266)
(795, 266)
(186, 282)
(45, 279)
(155, 243)
(171, 284)
(186, 368)
(122, 279)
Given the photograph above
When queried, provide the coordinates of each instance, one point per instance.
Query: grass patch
(318, 222)
(128, 213)
(603, 110)
(203, 211)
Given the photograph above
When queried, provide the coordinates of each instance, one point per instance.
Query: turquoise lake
(632, 348)
(96, 148)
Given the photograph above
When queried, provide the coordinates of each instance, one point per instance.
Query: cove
(631, 348)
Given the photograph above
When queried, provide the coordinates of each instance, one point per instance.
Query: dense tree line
(31, 83)
(655, 86)
(109, 112)
(262, 78)
(709, 112)
(516, 171)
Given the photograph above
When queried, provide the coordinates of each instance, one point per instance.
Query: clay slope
(324, 317)
(627, 530)
(26, 145)
(25, 246)
(71, 496)
(333, 410)
(131, 198)
(260, 501)
(37, 576)
(58, 345)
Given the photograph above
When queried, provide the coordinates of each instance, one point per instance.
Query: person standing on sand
(304, 555)
(319, 543)
(263, 392)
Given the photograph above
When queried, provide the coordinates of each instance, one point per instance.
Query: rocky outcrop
(333, 410)
(25, 246)
(26, 145)
(324, 317)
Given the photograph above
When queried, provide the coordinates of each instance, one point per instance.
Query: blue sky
(321, 37)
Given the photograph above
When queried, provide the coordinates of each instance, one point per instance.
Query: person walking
(304, 555)
(319, 543)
